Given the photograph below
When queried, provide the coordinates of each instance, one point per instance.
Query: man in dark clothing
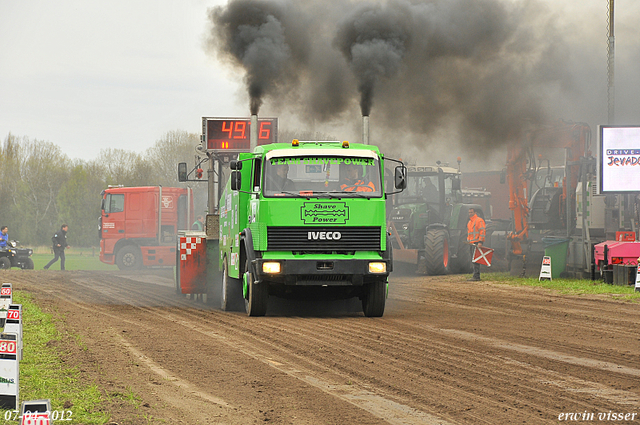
(59, 244)
(278, 181)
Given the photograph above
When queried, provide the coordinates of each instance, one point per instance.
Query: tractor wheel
(374, 297)
(5, 263)
(462, 262)
(257, 293)
(129, 258)
(436, 250)
(231, 294)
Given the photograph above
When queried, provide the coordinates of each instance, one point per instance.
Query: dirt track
(446, 351)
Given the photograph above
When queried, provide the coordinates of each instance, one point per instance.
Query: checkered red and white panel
(188, 245)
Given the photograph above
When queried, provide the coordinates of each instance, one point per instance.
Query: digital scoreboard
(233, 134)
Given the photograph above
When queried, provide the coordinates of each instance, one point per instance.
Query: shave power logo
(324, 213)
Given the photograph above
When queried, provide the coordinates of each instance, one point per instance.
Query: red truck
(139, 225)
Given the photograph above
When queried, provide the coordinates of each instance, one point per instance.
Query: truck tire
(374, 298)
(436, 250)
(258, 294)
(462, 262)
(129, 257)
(28, 264)
(231, 291)
(5, 263)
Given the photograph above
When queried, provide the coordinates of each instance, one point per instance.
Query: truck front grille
(316, 239)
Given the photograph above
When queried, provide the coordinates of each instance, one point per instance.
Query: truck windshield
(319, 176)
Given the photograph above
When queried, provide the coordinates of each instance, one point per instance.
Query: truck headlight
(377, 267)
(271, 267)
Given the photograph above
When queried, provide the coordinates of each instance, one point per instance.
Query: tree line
(41, 187)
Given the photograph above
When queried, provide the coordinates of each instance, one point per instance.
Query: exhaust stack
(253, 133)
(365, 129)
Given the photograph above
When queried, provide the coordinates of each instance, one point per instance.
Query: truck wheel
(436, 249)
(5, 263)
(129, 258)
(373, 299)
(231, 293)
(258, 294)
(28, 264)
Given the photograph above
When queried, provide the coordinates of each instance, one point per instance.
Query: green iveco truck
(306, 220)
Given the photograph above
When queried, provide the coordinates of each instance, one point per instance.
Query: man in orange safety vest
(475, 236)
(352, 182)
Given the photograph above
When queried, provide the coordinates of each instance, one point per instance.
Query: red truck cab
(139, 225)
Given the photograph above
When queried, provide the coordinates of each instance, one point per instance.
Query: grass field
(75, 259)
(43, 374)
(568, 286)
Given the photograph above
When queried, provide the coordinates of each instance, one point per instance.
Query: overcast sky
(88, 75)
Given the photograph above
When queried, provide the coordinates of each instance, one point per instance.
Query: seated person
(277, 180)
(429, 191)
(4, 237)
(350, 180)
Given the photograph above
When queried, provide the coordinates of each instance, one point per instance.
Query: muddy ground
(447, 351)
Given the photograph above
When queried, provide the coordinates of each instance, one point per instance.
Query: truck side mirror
(455, 184)
(235, 165)
(236, 180)
(182, 172)
(401, 177)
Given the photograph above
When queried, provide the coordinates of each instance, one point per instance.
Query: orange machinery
(521, 170)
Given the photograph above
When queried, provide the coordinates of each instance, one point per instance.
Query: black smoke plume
(483, 70)
(373, 38)
(263, 38)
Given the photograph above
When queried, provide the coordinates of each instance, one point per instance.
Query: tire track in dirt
(399, 369)
(496, 374)
(373, 403)
(600, 327)
(347, 358)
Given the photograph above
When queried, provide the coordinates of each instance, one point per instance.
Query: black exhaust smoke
(487, 68)
(373, 39)
(257, 36)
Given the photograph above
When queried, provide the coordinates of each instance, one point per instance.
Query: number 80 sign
(8, 347)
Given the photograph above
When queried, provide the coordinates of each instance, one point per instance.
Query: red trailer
(139, 225)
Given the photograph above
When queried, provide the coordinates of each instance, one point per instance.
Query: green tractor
(428, 221)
